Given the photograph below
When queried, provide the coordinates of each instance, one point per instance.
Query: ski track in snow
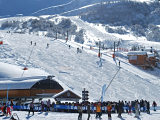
(94, 33)
(62, 5)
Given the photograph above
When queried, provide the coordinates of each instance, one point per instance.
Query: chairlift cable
(27, 60)
(111, 81)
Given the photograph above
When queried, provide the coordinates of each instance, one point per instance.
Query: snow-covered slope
(79, 70)
(73, 116)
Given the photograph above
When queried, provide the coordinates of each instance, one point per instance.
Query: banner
(103, 92)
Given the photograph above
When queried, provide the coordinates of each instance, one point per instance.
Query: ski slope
(79, 70)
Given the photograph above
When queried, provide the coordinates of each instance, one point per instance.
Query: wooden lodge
(67, 95)
(29, 87)
(142, 58)
(137, 57)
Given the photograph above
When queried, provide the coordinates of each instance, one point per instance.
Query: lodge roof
(64, 95)
(22, 83)
(137, 53)
(19, 83)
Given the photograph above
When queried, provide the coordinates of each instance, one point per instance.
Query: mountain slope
(82, 70)
(41, 7)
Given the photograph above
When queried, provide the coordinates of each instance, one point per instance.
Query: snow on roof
(137, 53)
(65, 92)
(149, 49)
(150, 54)
(11, 76)
(19, 83)
(13, 71)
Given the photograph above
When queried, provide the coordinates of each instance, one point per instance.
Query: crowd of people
(120, 107)
(97, 108)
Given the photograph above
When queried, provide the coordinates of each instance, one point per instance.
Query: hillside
(81, 70)
(86, 23)
(44, 7)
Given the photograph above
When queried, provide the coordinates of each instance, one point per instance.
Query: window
(47, 84)
(132, 57)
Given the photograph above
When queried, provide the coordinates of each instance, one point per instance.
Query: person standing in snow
(48, 105)
(77, 50)
(42, 106)
(47, 45)
(80, 110)
(130, 108)
(4, 109)
(8, 110)
(154, 105)
(136, 110)
(120, 109)
(98, 110)
(31, 108)
(11, 104)
(31, 42)
(109, 108)
(148, 107)
(88, 110)
(119, 64)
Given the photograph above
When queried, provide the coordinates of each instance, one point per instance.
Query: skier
(77, 50)
(120, 109)
(119, 63)
(154, 105)
(48, 105)
(31, 108)
(109, 108)
(8, 110)
(136, 110)
(31, 42)
(98, 110)
(35, 44)
(151, 50)
(148, 108)
(4, 109)
(126, 106)
(42, 106)
(88, 110)
(11, 105)
(69, 46)
(80, 110)
(66, 40)
(130, 108)
(47, 45)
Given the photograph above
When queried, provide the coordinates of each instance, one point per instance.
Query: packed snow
(80, 70)
(74, 116)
